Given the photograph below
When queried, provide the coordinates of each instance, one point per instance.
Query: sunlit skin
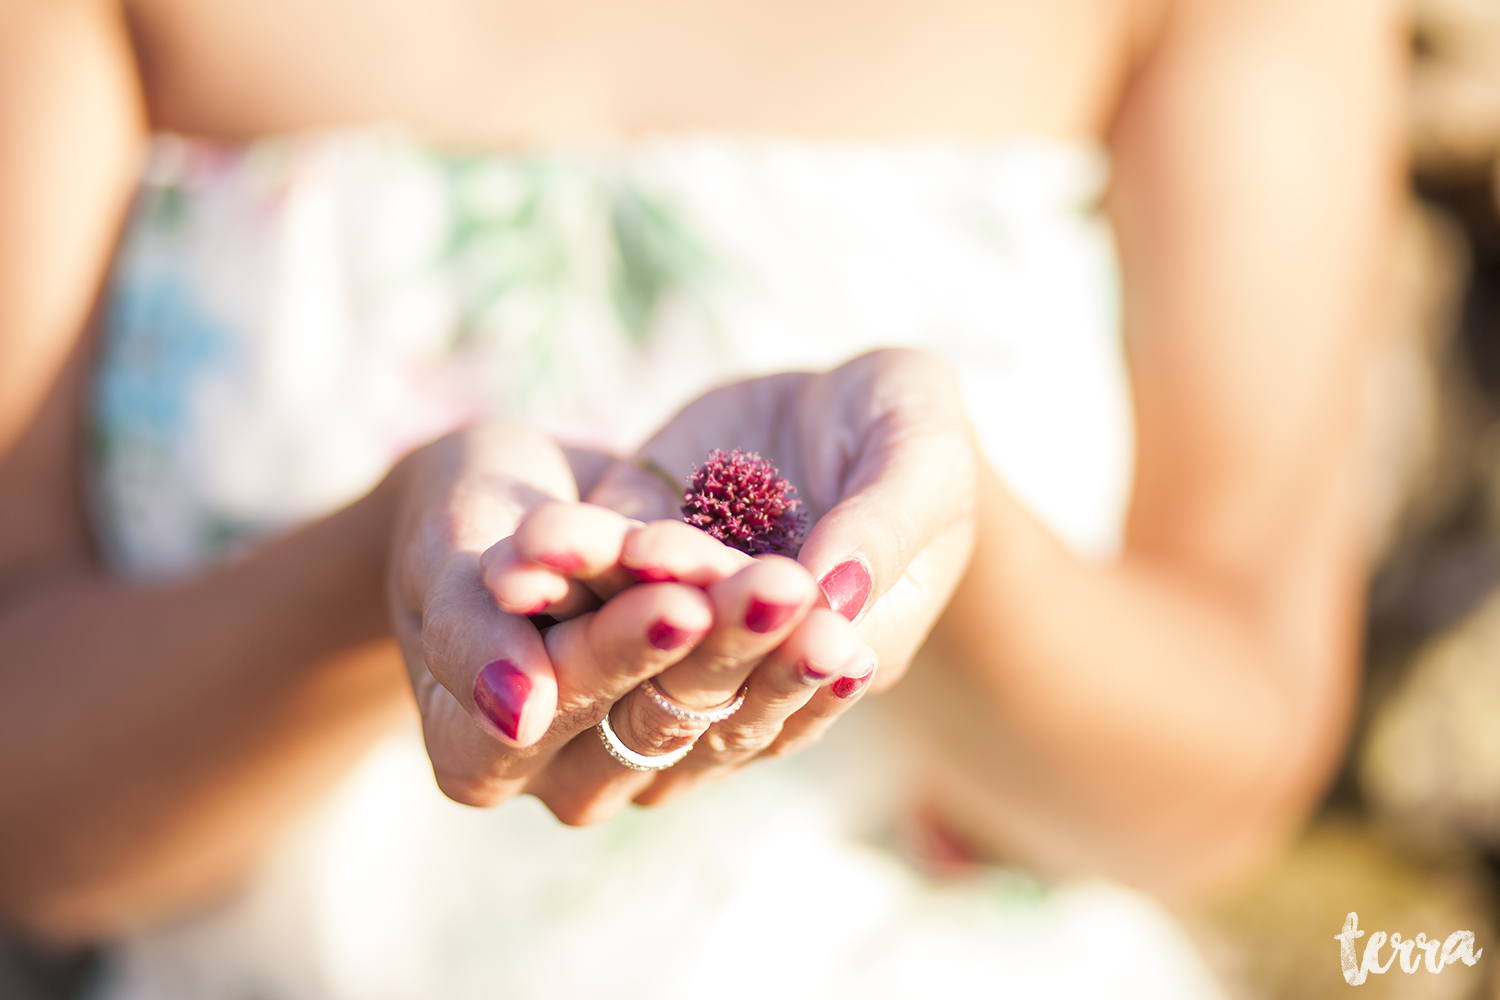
(1166, 718)
(867, 443)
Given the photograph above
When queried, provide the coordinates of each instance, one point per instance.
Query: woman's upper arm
(1258, 167)
(1258, 170)
(70, 138)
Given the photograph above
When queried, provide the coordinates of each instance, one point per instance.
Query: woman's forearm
(1167, 717)
(1125, 718)
(152, 736)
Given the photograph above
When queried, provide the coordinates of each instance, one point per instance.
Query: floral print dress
(286, 319)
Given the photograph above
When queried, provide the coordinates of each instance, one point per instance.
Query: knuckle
(651, 731)
(575, 714)
(721, 662)
(440, 629)
(655, 743)
(739, 741)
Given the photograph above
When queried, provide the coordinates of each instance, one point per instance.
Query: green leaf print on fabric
(166, 208)
(541, 246)
(657, 255)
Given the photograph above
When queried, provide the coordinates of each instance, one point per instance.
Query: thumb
(908, 492)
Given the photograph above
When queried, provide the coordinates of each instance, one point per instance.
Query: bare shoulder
(1324, 31)
(1258, 169)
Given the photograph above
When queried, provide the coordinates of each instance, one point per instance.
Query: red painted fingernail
(664, 635)
(653, 574)
(537, 609)
(763, 616)
(500, 693)
(848, 687)
(847, 587)
(563, 562)
(810, 676)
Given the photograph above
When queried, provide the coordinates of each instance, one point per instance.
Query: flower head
(738, 498)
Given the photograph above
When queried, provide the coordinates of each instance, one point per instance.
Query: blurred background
(1410, 835)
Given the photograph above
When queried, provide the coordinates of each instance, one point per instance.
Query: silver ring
(676, 711)
(636, 761)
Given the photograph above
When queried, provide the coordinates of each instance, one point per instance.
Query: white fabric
(779, 883)
(282, 327)
(285, 331)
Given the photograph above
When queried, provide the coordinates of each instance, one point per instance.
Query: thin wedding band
(636, 761)
(676, 711)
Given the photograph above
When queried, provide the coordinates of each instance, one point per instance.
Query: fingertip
(823, 648)
(766, 596)
(526, 589)
(666, 635)
(847, 587)
(580, 540)
(767, 616)
(515, 701)
(637, 634)
(673, 551)
(683, 609)
(856, 677)
(653, 574)
(563, 561)
(517, 586)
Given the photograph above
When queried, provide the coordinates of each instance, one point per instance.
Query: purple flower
(738, 498)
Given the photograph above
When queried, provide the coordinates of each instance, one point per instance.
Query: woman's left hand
(880, 452)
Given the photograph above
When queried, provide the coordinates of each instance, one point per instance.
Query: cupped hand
(507, 707)
(881, 454)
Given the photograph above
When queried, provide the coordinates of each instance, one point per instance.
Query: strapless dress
(285, 319)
